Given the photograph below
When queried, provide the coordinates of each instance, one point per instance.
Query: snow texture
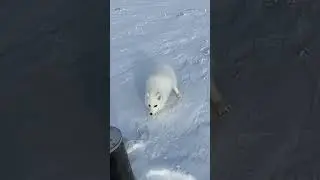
(174, 145)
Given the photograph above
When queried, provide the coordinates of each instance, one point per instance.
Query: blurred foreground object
(219, 106)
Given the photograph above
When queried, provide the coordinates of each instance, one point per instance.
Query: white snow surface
(174, 145)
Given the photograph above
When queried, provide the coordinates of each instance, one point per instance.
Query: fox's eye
(149, 105)
(155, 105)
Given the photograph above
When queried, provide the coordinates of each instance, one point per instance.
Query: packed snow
(175, 144)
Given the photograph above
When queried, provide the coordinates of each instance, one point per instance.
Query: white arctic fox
(158, 88)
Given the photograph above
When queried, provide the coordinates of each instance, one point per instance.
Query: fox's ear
(158, 96)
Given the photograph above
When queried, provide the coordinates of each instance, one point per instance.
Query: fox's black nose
(150, 114)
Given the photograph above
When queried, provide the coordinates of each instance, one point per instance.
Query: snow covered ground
(175, 145)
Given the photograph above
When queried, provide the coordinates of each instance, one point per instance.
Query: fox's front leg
(176, 91)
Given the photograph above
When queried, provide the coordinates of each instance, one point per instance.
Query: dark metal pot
(120, 168)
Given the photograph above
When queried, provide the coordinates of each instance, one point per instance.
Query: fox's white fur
(159, 85)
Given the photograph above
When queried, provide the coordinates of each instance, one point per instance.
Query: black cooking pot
(120, 168)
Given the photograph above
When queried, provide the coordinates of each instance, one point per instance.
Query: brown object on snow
(219, 108)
